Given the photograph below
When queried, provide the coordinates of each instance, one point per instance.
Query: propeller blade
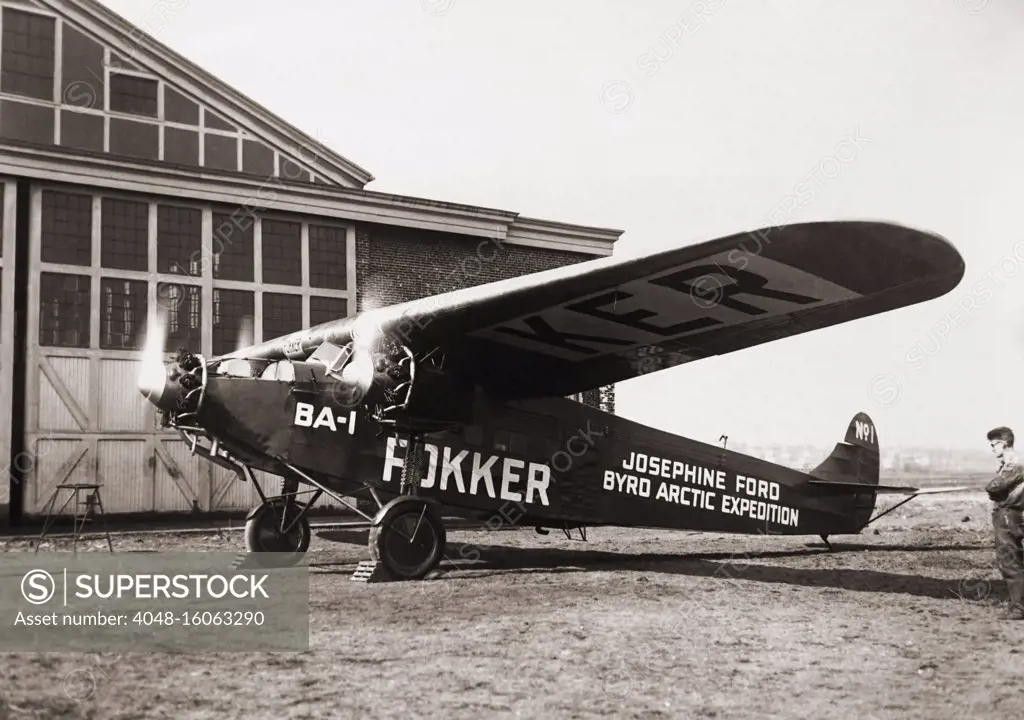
(152, 374)
(246, 336)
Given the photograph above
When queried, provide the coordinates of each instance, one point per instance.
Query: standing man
(1006, 490)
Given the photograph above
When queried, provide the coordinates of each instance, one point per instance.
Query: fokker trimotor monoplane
(460, 400)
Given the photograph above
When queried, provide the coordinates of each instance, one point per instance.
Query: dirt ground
(899, 624)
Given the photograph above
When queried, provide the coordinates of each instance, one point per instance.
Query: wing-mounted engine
(403, 390)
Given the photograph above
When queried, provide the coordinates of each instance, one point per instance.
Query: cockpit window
(282, 371)
(236, 367)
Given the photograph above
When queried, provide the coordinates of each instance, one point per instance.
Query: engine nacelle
(177, 387)
(397, 388)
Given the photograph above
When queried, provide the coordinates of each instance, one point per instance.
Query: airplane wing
(582, 326)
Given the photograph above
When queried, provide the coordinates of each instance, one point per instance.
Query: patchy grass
(900, 624)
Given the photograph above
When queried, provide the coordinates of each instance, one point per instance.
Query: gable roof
(144, 50)
(335, 188)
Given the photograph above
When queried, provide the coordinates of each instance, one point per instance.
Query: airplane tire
(409, 542)
(263, 535)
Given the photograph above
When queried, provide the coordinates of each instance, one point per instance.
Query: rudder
(854, 460)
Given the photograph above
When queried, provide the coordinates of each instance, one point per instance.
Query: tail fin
(854, 464)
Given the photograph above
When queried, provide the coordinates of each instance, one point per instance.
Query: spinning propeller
(175, 386)
(152, 377)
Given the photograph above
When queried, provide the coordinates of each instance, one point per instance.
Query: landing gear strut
(407, 535)
(279, 525)
(409, 538)
(276, 527)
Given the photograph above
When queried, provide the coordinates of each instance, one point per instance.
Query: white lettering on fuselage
(459, 466)
(700, 487)
(307, 416)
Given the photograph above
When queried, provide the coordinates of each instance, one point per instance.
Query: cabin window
(282, 371)
(502, 440)
(236, 367)
(543, 447)
(473, 435)
(445, 437)
(511, 442)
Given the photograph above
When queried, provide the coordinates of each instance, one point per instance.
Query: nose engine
(177, 387)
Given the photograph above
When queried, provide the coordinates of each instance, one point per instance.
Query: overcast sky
(679, 122)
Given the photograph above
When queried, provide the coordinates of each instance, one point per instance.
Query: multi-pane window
(120, 89)
(282, 252)
(232, 320)
(257, 158)
(220, 152)
(327, 257)
(326, 309)
(123, 305)
(181, 147)
(214, 122)
(183, 307)
(66, 228)
(81, 131)
(133, 95)
(26, 122)
(64, 310)
(134, 139)
(123, 229)
(179, 240)
(124, 234)
(179, 109)
(28, 58)
(233, 247)
(282, 314)
(81, 71)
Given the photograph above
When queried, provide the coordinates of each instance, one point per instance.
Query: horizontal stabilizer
(886, 489)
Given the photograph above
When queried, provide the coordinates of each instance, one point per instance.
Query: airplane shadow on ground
(495, 560)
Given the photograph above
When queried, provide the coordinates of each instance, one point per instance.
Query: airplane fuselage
(567, 462)
(548, 462)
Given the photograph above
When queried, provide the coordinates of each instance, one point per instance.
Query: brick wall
(396, 265)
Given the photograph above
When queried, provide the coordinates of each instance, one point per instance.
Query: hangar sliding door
(7, 226)
(90, 292)
(101, 264)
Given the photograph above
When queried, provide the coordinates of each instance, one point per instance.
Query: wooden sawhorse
(74, 490)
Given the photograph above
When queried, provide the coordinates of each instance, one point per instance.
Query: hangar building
(124, 167)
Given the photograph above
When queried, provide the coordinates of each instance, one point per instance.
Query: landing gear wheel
(409, 541)
(263, 534)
